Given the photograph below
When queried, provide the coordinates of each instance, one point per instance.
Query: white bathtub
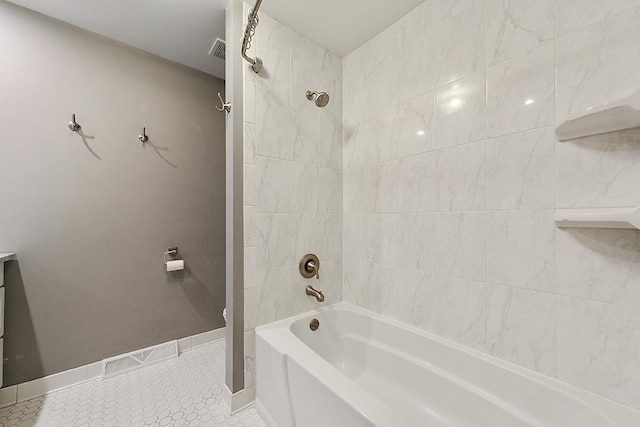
(361, 369)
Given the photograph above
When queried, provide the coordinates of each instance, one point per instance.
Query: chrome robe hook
(226, 106)
(143, 137)
(73, 125)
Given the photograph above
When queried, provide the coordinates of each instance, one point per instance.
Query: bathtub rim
(619, 413)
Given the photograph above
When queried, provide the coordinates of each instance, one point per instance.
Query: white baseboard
(236, 402)
(41, 386)
(266, 416)
(195, 341)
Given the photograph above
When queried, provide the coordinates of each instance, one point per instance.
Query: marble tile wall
(452, 173)
(293, 178)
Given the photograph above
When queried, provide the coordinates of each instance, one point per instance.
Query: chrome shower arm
(249, 32)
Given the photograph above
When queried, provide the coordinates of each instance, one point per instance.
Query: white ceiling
(179, 30)
(184, 30)
(340, 26)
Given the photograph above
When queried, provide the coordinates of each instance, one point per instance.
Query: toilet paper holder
(172, 252)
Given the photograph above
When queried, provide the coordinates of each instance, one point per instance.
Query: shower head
(322, 98)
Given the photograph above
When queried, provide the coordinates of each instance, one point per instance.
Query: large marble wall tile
(249, 351)
(274, 83)
(371, 188)
(306, 145)
(461, 111)
(330, 191)
(250, 235)
(521, 327)
(357, 78)
(320, 234)
(417, 183)
(276, 294)
(387, 197)
(305, 50)
(415, 50)
(250, 143)
(361, 189)
(521, 249)
(351, 188)
(305, 187)
(276, 129)
(251, 307)
(459, 311)
(355, 143)
(330, 281)
(250, 267)
(274, 239)
(599, 63)
(361, 284)
(598, 348)
(383, 233)
(521, 92)
(462, 244)
(330, 141)
(521, 170)
(602, 265)
(515, 27)
(574, 14)
(459, 27)
(358, 242)
(329, 236)
(379, 139)
(418, 248)
(597, 171)
(250, 185)
(462, 178)
(249, 102)
(271, 35)
(398, 292)
(380, 71)
(423, 309)
(414, 126)
(273, 178)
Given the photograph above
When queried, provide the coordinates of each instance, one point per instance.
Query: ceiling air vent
(218, 49)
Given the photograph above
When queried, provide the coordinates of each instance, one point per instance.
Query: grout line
(555, 188)
(437, 149)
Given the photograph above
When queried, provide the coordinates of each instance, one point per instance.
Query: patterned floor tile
(186, 391)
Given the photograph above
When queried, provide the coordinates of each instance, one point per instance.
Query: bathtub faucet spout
(312, 292)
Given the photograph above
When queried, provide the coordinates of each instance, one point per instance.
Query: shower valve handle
(312, 268)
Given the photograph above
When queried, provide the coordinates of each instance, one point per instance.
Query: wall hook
(143, 138)
(226, 106)
(73, 125)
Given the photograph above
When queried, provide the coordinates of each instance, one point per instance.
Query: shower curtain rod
(249, 32)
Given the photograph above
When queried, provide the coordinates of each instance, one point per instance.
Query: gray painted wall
(90, 216)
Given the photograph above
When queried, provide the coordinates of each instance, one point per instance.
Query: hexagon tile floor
(186, 391)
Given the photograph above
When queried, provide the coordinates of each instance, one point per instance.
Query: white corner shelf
(608, 117)
(628, 218)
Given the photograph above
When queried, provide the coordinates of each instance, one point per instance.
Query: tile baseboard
(236, 402)
(20, 392)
